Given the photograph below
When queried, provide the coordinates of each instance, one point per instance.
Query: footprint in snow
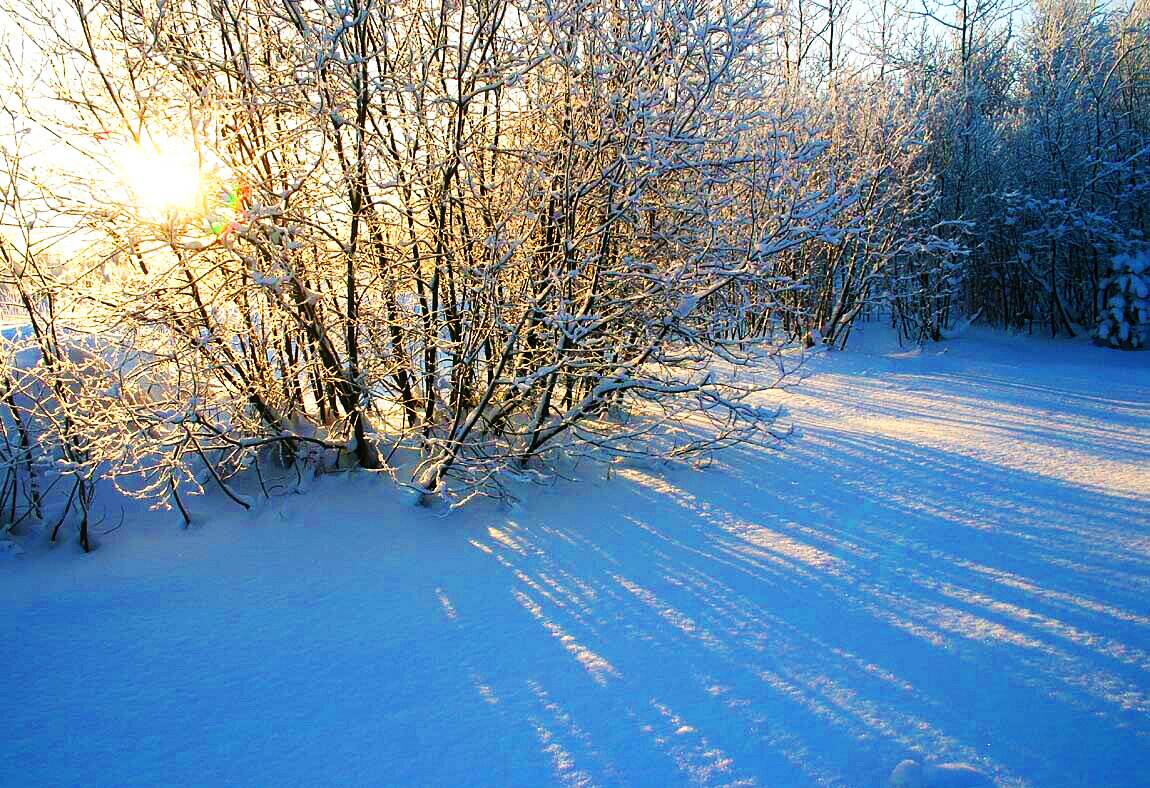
(912, 774)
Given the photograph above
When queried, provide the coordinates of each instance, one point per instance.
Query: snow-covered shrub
(55, 426)
(79, 409)
(1125, 319)
(490, 280)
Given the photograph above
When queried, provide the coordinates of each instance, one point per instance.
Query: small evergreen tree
(1125, 320)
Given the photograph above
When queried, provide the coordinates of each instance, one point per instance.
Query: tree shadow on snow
(815, 618)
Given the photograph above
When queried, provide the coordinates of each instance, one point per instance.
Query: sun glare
(163, 176)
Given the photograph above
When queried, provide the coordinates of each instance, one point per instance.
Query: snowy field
(952, 564)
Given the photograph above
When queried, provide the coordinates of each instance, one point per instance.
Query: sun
(164, 176)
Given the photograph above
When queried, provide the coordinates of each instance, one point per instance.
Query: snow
(951, 566)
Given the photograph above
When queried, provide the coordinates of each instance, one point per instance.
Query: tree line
(470, 240)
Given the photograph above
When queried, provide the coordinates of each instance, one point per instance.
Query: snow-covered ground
(952, 564)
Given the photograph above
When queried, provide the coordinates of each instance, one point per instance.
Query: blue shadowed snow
(953, 564)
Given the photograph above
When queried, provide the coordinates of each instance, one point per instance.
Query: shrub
(1125, 319)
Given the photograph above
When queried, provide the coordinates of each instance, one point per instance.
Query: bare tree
(485, 232)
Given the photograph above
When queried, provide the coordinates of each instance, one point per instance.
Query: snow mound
(912, 774)
(9, 549)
